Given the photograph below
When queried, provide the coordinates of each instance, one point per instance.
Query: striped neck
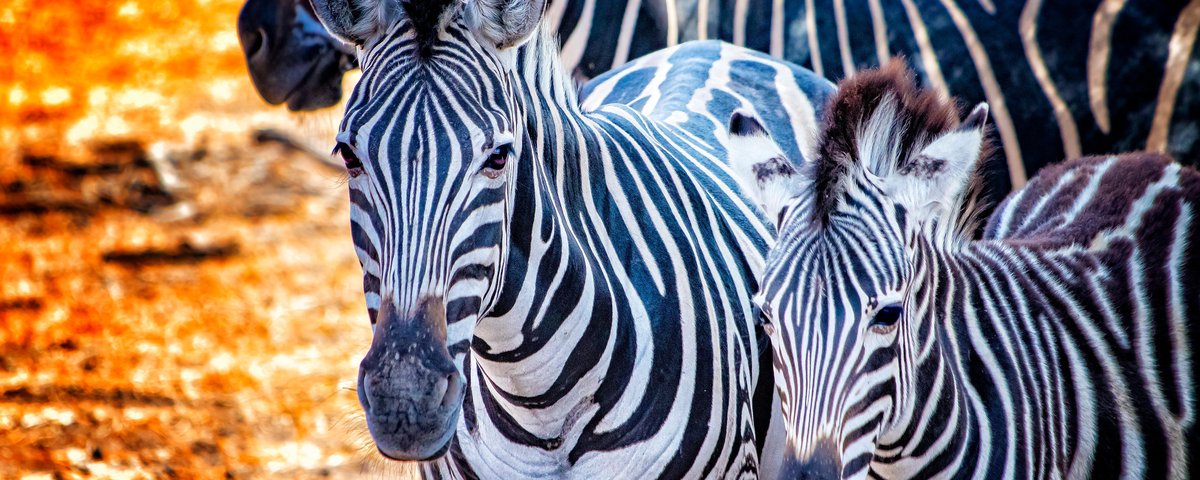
(548, 256)
(949, 396)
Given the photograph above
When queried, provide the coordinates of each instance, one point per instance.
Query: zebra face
(833, 304)
(433, 144)
(851, 340)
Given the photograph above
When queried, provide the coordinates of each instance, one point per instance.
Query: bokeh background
(179, 297)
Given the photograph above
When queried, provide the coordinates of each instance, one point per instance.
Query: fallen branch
(184, 252)
(270, 135)
(37, 205)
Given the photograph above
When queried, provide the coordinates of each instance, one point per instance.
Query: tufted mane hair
(426, 18)
(913, 118)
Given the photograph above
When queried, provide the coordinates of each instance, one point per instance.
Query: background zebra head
(432, 139)
(290, 56)
(893, 168)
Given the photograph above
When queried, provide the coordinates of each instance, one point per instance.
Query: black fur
(744, 125)
(426, 18)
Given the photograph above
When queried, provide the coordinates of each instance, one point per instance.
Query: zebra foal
(1060, 345)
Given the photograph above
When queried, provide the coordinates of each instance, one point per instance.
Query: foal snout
(823, 463)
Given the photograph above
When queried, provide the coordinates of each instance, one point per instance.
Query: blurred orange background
(178, 293)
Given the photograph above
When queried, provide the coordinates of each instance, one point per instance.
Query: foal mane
(880, 120)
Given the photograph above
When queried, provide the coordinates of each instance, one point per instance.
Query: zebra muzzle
(409, 387)
(824, 463)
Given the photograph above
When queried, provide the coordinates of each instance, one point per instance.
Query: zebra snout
(410, 390)
(411, 409)
(824, 463)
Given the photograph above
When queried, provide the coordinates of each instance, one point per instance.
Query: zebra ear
(355, 21)
(760, 167)
(933, 183)
(505, 23)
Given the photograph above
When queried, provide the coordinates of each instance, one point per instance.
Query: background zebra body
(587, 283)
(1112, 239)
(1129, 83)
(1063, 77)
(1060, 345)
(696, 86)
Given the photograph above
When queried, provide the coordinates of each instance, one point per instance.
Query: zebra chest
(626, 413)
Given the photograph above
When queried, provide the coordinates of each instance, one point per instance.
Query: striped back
(1059, 345)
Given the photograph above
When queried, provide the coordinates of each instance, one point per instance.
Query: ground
(234, 355)
(179, 296)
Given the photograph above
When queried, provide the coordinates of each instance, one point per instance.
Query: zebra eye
(353, 165)
(885, 320)
(497, 160)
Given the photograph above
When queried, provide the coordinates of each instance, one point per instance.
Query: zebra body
(555, 292)
(1081, 77)
(1058, 346)
(1063, 78)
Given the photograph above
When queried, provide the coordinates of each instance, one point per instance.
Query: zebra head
(432, 139)
(850, 339)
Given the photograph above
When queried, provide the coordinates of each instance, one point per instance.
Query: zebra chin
(396, 447)
(409, 387)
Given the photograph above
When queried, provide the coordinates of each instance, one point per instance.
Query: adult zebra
(1130, 83)
(555, 293)
(1059, 346)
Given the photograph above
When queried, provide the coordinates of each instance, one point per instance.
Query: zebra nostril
(364, 392)
(256, 47)
(452, 391)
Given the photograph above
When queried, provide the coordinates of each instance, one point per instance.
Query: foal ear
(505, 23)
(932, 183)
(355, 21)
(760, 167)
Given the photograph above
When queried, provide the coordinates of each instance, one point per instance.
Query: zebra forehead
(430, 109)
(833, 262)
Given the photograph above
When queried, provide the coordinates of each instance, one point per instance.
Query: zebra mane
(426, 17)
(541, 68)
(879, 121)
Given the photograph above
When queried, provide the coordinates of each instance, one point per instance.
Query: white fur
(938, 196)
(504, 23)
(771, 193)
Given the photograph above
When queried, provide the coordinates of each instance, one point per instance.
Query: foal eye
(353, 165)
(887, 317)
(497, 160)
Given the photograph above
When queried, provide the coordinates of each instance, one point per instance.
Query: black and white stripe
(1082, 78)
(1064, 78)
(556, 291)
(1059, 345)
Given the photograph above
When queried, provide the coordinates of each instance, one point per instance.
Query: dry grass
(236, 366)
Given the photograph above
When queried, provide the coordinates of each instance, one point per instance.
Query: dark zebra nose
(409, 387)
(824, 463)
